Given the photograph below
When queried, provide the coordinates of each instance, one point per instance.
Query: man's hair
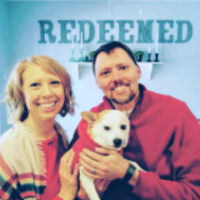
(109, 47)
(14, 96)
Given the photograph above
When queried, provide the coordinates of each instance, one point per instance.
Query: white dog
(109, 129)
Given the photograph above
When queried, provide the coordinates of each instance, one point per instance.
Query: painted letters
(64, 31)
(122, 30)
(145, 31)
(82, 24)
(48, 31)
(103, 30)
(181, 33)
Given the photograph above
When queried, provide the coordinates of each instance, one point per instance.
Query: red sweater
(164, 141)
(53, 150)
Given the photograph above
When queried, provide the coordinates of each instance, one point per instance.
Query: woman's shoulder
(12, 132)
(8, 135)
(61, 132)
(10, 140)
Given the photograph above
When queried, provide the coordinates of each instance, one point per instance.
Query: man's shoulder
(166, 101)
(164, 97)
(152, 97)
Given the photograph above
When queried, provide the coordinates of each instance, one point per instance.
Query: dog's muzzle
(117, 142)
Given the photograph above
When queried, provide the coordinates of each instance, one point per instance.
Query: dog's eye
(107, 128)
(123, 127)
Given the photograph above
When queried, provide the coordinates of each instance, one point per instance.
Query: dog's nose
(117, 142)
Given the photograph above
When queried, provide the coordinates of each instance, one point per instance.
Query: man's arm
(185, 167)
(184, 159)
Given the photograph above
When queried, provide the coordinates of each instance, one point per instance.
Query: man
(164, 137)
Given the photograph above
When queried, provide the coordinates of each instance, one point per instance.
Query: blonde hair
(14, 96)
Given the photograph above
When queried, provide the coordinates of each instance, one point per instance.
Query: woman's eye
(55, 82)
(123, 67)
(34, 84)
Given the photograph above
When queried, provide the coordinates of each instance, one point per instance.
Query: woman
(37, 90)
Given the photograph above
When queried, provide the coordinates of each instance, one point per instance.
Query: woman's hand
(101, 185)
(109, 166)
(68, 179)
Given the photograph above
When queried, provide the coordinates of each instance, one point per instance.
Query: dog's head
(109, 128)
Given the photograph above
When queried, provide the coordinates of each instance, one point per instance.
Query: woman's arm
(8, 182)
(68, 179)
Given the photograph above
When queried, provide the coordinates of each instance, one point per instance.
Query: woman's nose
(46, 91)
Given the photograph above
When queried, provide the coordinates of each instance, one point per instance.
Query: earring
(63, 110)
(24, 113)
(25, 110)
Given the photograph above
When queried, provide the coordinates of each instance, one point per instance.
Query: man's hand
(68, 179)
(108, 164)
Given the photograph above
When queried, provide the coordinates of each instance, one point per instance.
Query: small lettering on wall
(182, 31)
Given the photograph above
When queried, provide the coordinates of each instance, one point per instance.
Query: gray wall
(4, 56)
(178, 76)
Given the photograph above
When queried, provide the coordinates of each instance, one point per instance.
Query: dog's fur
(109, 129)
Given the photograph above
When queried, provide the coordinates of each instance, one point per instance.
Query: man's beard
(125, 101)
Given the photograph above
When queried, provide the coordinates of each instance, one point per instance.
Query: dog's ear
(90, 117)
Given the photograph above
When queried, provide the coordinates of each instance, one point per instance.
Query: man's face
(117, 76)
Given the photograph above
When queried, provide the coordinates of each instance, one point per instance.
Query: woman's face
(43, 93)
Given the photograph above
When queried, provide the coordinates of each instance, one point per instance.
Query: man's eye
(105, 73)
(55, 82)
(34, 84)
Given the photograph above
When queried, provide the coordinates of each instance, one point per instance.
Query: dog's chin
(110, 146)
(116, 148)
(120, 147)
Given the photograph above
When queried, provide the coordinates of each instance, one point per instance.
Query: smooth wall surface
(4, 56)
(178, 76)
